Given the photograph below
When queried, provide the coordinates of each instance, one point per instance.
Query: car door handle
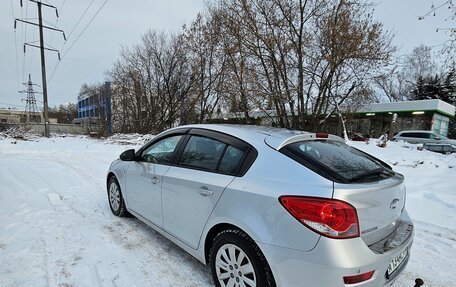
(204, 191)
(155, 180)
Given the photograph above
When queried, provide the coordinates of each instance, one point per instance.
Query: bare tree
(207, 60)
(446, 11)
(150, 81)
(300, 58)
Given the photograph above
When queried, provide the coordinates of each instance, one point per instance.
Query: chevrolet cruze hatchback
(269, 207)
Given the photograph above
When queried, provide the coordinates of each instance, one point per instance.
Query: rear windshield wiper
(372, 172)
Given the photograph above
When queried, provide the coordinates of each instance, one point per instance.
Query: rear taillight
(328, 217)
(358, 278)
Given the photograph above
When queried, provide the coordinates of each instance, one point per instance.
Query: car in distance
(269, 207)
(430, 140)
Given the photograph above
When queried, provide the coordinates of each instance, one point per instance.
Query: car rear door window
(202, 153)
(338, 161)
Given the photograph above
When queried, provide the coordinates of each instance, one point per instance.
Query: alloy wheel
(234, 268)
(114, 196)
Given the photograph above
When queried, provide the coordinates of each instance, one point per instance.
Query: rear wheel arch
(214, 231)
(223, 234)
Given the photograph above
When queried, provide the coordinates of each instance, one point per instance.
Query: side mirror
(438, 138)
(128, 155)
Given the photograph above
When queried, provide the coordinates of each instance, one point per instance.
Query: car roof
(257, 135)
(249, 133)
(416, 131)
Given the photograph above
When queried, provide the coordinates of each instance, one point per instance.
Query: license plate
(396, 262)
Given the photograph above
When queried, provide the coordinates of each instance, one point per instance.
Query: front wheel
(237, 261)
(115, 198)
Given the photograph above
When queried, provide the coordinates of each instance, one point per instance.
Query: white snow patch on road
(56, 228)
(55, 199)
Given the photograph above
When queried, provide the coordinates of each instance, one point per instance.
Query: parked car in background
(430, 140)
(269, 207)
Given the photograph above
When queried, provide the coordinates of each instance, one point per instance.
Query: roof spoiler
(308, 137)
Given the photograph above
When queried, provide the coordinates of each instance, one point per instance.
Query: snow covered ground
(56, 228)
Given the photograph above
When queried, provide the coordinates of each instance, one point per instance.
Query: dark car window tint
(161, 152)
(341, 160)
(421, 135)
(231, 160)
(413, 135)
(202, 152)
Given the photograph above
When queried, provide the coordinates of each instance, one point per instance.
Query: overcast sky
(121, 23)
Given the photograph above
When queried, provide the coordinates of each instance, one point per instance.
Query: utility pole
(43, 62)
(43, 74)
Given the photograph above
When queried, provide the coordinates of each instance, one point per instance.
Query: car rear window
(338, 161)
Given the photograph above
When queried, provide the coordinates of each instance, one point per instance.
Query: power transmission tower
(42, 48)
(30, 102)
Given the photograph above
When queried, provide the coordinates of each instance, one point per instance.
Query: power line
(77, 38)
(69, 36)
(57, 20)
(85, 28)
(80, 18)
(26, 17)
(15, 45)
(75, 26)
(33, 40)
(23, 41)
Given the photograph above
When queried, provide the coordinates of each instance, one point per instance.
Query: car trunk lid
(379, 205)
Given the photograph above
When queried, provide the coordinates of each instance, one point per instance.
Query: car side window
(202, 152)
(412, 135)
(162, 151)
(424, 135)
(231, 161)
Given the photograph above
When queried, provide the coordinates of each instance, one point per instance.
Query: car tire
(234, 257)
(115, 198)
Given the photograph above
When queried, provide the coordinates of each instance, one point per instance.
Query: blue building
(95, 109)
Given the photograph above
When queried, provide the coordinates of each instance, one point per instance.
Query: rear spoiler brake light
(322, 135)
(308, 137)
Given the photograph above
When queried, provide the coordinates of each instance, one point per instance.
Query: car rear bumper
(331, 260)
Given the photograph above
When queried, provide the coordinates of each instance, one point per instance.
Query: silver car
(430, 140)
(422, 137)
(269, 207)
